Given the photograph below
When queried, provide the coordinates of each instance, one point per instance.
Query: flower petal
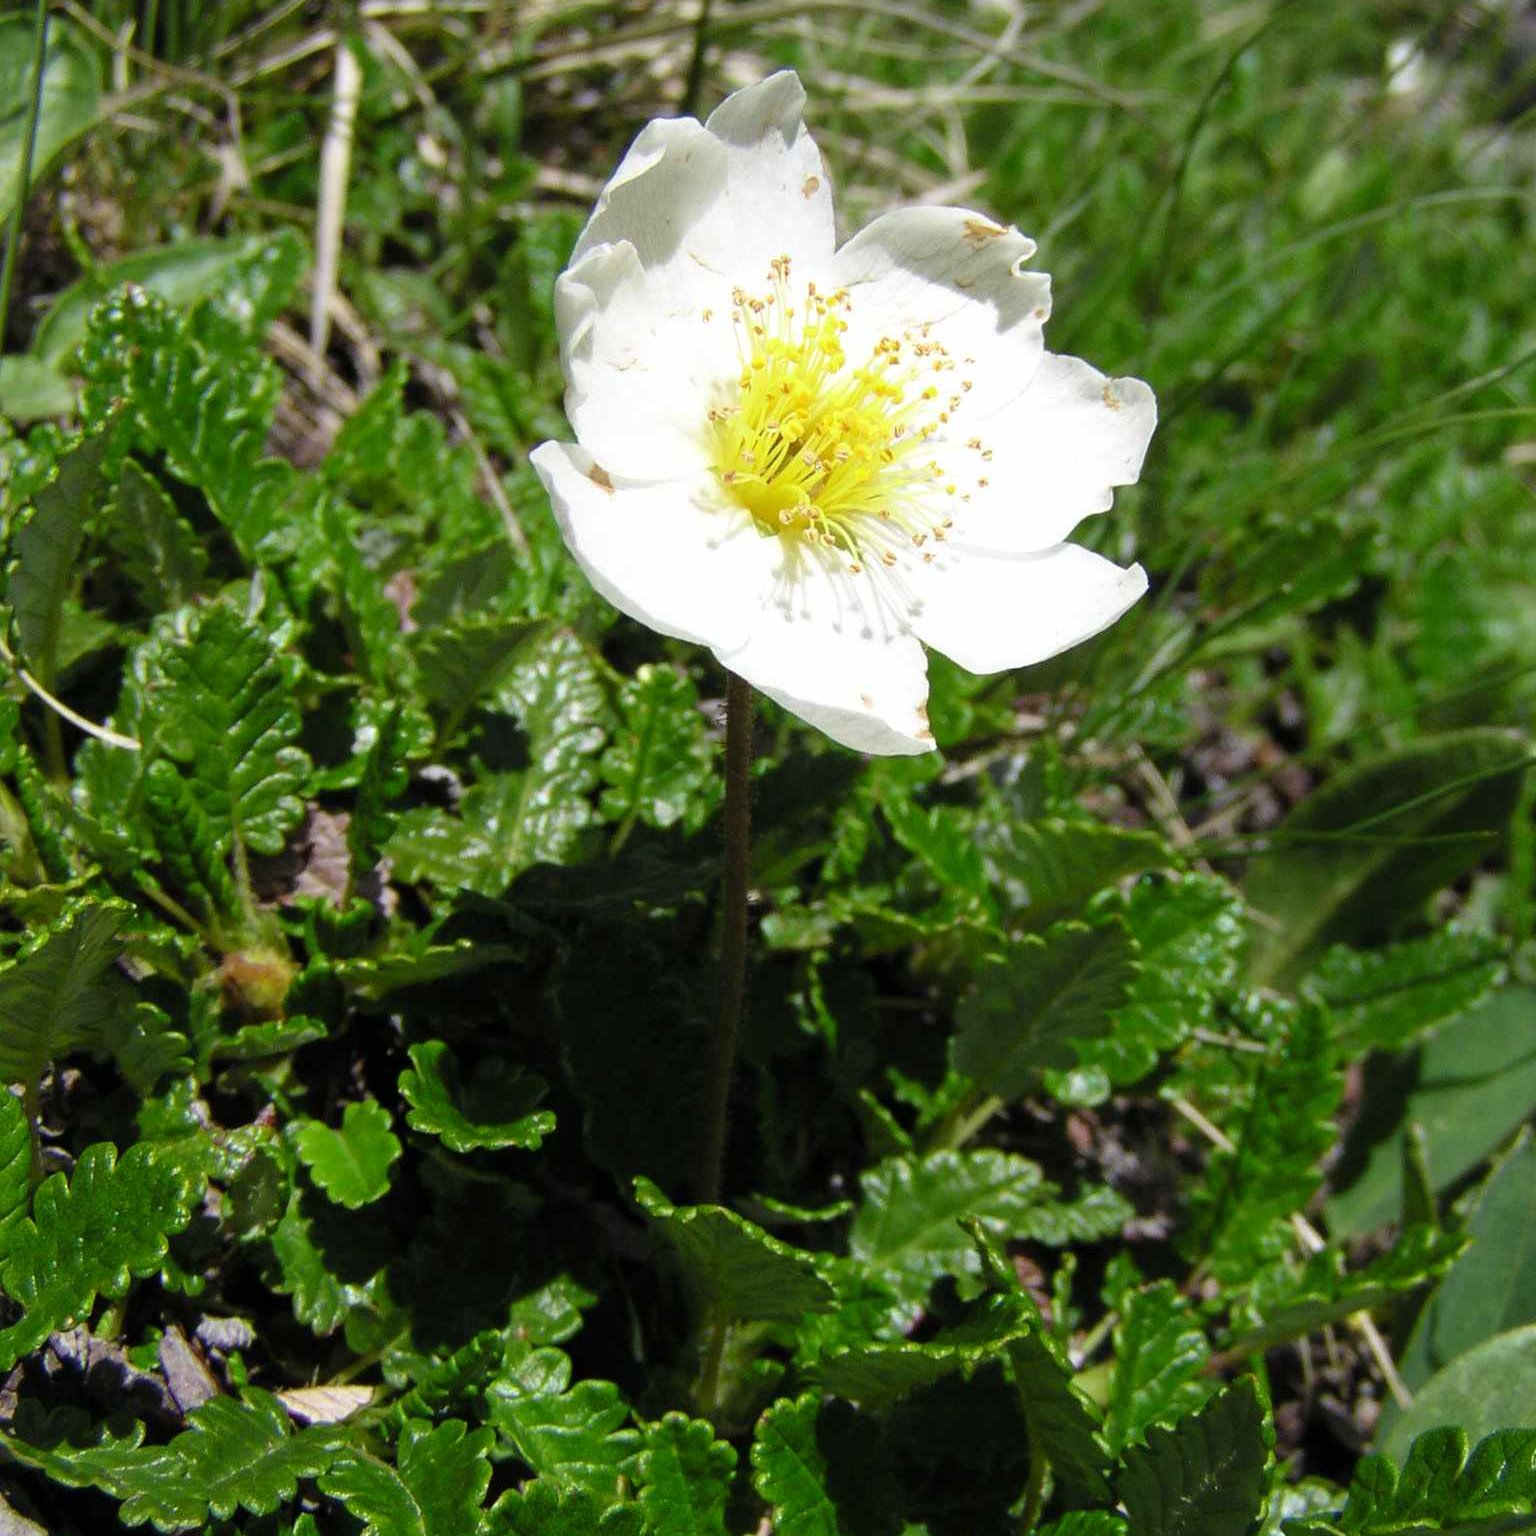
(992, 612)
(1049, 459)
(959, 278)
(672, 555)
(640, 376)
(820, 651)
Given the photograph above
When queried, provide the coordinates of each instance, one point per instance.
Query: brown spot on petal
(810, 186)
(1111, 399)
(980, 231)
(923, 735)
(599, 476)
(922, 713)
(866, 701)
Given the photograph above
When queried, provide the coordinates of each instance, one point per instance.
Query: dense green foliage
(1132, 1095)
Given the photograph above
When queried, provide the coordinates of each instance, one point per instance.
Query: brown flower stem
(733, 932)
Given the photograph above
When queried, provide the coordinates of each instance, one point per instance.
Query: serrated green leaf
(61, 994)
(188, 844)
(1284, 1134)
(1097, 1213)
(15, 1164)
(1282, 1304)
(1492, 1286)
(70, 94)
(789, 1470)
(544, 1508)
(875, 1375)
(223, 709)
(351, 1164)
(236, 1454)
(1204, 1477)
(576, 1438)
(1382, 999)
(250, 277)
(1190, 935)
(1440, 1491)
(1086, 1522)
(435, 1487)
(496, 1109)
(1047, 870)
(1160, 1356)
(205, 409)
(90, 1235)
(1063, 1424)
(735, 1271)
(1353, 860)
(460, 662)
(685, 1478)
(906, 1231)
(509, 821)
(1490, 1387)
(45, 562)
(660, 767)
(1036, 997)
(155, 546)
(944, 838)
(322, 1298)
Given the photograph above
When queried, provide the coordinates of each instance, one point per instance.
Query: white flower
(813, 459)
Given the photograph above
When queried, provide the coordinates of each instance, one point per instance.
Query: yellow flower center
(826, 453)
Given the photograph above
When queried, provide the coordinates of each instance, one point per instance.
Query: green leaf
(1190, 935)
(1371, 846)
(545, 1508)
(46, 560)
(1086, 1522)
(1440, 1490)
(189, 846)
(1490, 1387)
(944, 838)
(204, 405)
(460, 662)
(1047, 870)
(1206, 1476)
(1285, 1305)
(1491, 1288)
(322, 1297)
(86, 1236)
(156, 547)
(1287, 1128)
(660, 766)
(15, 1164)
(222, 707)
(1160, 1357)
(1383, 999)
(1063, 1424)
(236, 1454)
(350, 1164)
(576, 1438)
(876, 1375)
(497, 1108)
(735, 1271)
(71, 92)
(509, 821)
(907, 1230)
(685, 1478)
(435, 1487)
(61, 994)
(1037, 997)
(251, 277)
(1476, 1084)
(789, 1470)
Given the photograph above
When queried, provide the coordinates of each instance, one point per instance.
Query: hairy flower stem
(733, 932)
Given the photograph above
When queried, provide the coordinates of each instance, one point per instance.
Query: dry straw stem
(335, 171)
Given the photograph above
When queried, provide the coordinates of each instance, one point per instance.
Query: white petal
(960, 277)
(672, 555)
(640, 375)
(821, 652)
(777, 194)
(992, 612)
(1050, 458)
